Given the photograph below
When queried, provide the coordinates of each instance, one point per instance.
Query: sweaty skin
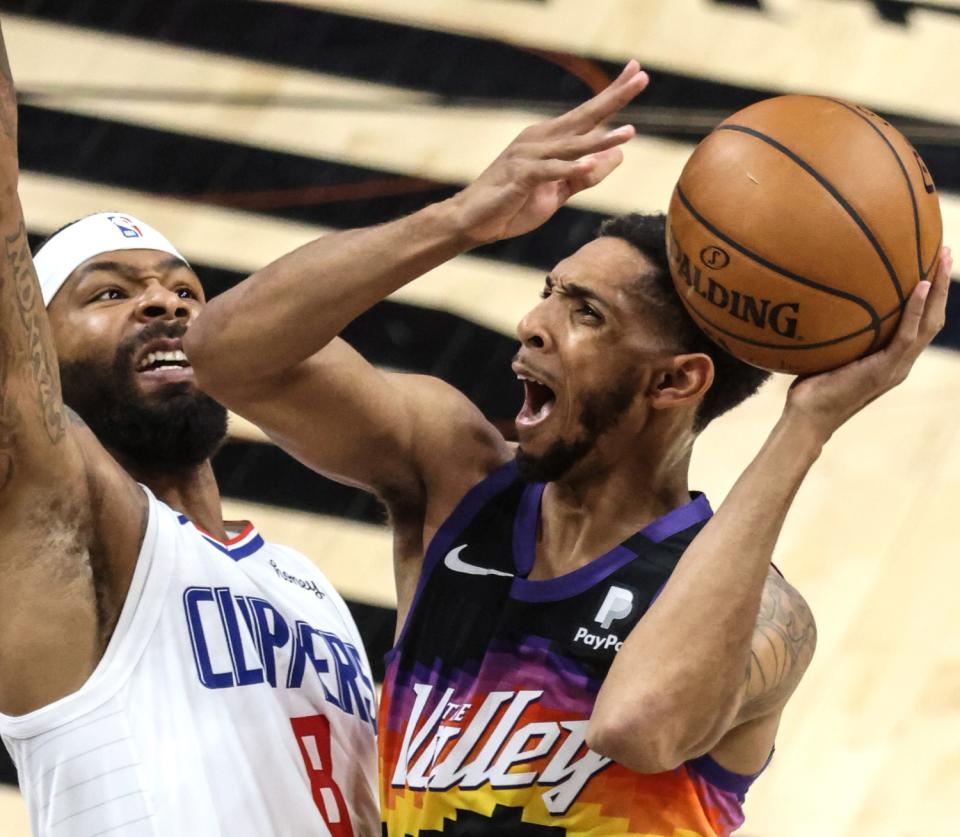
(724, 618)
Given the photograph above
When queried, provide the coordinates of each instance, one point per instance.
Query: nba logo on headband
(125, 225)
(89, 237)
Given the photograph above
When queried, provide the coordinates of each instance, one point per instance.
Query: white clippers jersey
(234, 698)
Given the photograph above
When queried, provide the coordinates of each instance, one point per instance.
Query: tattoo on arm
(41, 353)
(9, 417)
(783, 645)
(27, 350)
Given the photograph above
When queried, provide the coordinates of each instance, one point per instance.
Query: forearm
(677, 682)
(31, 410)
(30, 401)
(292, 308)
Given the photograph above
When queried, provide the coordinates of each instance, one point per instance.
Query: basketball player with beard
(162, 671)
(583, 645)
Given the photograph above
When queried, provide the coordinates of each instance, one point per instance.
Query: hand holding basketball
(547, 164)
(831, 398)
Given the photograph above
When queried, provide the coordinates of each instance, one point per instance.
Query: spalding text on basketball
(780, 317)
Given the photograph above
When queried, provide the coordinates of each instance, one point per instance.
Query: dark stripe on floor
(429, 60)
(193, 168)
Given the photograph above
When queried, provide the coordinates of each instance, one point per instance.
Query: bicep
(783, 644)
(38, 451)
(378, 430)
(33, 423)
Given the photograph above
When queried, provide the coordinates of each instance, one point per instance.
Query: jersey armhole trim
(466, 510)
(712, 772)
(133, 629)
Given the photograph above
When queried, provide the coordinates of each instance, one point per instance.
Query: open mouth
(153, 361)
(161, 362)
(537, 403)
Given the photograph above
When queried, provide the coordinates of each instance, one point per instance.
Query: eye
(109, 294)
(186, 293)
(589, 311)
(545, 293)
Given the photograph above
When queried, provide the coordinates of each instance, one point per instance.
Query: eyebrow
(129, 272)
(575, 290)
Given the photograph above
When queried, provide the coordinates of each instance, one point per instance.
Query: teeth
(528, 378)
(176, 356)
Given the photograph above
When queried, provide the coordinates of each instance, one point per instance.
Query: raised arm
(52, 626)
(257, 348)
(711, 665)
(29, 381)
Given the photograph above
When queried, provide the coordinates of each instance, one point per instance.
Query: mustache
(152, 331)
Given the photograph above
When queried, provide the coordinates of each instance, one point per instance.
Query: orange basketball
(797, 231)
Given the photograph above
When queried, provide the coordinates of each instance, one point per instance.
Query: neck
(191, 491)
(605, 500)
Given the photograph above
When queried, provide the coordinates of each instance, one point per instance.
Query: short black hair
(734, 381)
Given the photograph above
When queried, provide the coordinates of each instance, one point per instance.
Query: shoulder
(456, 446)
(446, 412)
(784, 641)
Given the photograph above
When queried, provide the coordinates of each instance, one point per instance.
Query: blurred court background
(243, 129)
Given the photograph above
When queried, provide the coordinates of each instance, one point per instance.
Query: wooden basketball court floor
(870, 744)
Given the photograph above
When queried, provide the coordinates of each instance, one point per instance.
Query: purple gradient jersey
(492, 682)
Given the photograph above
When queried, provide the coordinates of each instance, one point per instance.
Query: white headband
(89, 237)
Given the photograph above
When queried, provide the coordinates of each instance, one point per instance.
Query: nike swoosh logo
(453, 562)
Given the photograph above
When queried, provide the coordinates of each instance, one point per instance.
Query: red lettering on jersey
(313, 738)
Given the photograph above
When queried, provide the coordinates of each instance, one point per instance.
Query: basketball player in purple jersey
(162, 671)
(584, 647)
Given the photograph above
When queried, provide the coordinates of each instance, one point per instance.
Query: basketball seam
(870, 310)
(834, 193)
(933, 261)
(790, 346)
(906, 177)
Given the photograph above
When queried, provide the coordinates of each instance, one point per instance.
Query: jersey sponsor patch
(304, 583)
(617, 605)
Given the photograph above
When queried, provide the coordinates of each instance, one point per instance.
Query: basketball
(797, 231)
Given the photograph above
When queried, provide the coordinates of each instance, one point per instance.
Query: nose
(532, 329)
(158, 302)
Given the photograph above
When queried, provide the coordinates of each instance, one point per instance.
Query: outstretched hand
(548, 163)
(833, 397)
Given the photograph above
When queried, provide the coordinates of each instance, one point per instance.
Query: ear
(683, 381)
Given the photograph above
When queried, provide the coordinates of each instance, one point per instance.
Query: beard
(602, 410)
(168, 432)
